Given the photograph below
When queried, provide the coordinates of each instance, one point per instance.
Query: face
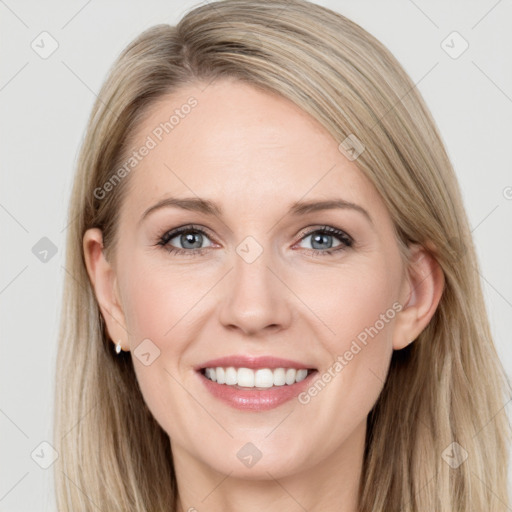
(258, 276)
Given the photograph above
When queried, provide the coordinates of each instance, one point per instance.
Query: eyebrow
(298, 208)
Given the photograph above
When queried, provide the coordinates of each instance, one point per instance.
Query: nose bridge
(255, 297)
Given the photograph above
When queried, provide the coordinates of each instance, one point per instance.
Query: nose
(256, 297)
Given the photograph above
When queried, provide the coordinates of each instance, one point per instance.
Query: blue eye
(324, 236)
(188, 236)
(192, 237)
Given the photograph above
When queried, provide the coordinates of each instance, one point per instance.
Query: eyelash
(346, 241)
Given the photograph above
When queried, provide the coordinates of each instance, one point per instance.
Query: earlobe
(104, 282)
(423, 289)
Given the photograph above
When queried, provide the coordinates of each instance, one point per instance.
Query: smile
(259, 389)
(256, 378)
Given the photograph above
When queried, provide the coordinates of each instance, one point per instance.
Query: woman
(248, 371)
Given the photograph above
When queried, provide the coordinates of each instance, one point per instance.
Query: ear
(422, 290)
(104, 282)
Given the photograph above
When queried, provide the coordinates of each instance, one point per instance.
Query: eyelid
(332, 230)
(184, 229)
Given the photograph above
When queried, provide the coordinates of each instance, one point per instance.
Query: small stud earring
(118, 348)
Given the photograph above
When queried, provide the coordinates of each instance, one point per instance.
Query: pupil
(320, 238)
(189, 238)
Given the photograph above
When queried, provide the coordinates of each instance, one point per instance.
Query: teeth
(261, 378)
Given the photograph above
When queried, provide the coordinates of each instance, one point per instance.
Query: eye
(190, 237)
(322, 239)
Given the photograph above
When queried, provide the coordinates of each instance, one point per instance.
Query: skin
(255, 154)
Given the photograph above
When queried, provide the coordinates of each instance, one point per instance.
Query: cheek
(352, 299)
(155, 303)
(149, 309)
(156, 300)
(359, 306)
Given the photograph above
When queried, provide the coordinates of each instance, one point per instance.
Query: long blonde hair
(447, 386)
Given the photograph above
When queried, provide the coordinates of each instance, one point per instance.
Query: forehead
(242, 147)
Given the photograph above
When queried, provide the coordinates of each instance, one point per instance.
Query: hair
(447, 386)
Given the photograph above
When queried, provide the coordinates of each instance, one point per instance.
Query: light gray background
(44, 107)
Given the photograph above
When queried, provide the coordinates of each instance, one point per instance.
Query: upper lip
(243, 361)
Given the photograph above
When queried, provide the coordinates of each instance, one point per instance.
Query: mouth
(259, 378)
(255, 389)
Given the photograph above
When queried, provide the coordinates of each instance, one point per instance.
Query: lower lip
(256, 399)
